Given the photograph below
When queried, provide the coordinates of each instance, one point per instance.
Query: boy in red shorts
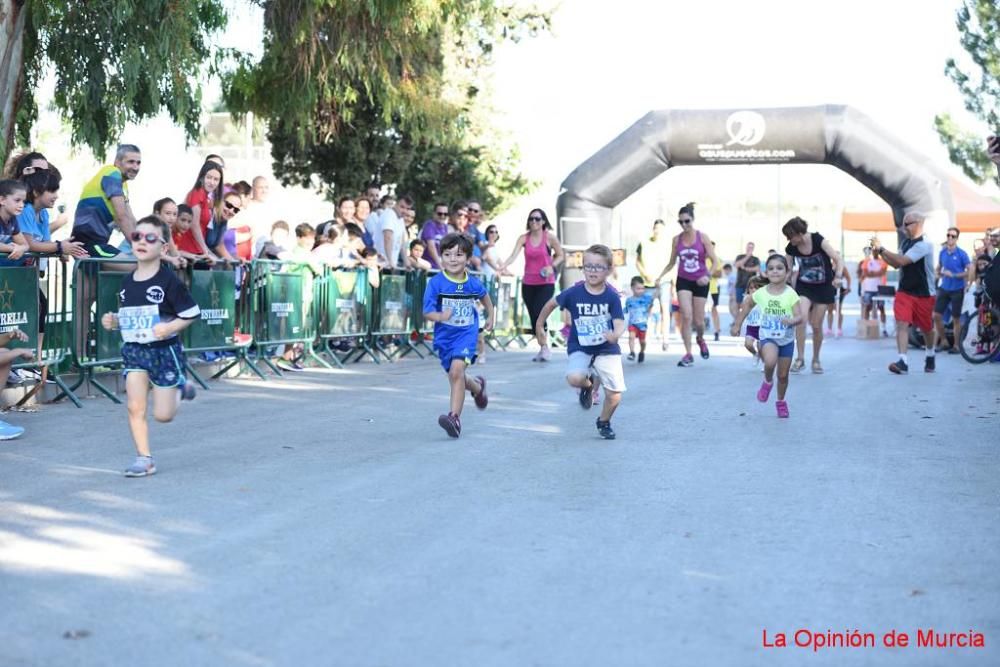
(637, 309)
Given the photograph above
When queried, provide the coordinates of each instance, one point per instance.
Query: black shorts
(843, 294)
(825, 293)
(715, 298)
(945, 297)
(685, 285)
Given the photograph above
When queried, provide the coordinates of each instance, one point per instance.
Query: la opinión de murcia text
(923, 638)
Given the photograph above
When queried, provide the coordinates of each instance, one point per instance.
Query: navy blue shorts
(786, 351)
(164, 363)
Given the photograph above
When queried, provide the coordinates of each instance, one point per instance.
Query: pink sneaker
(765, 391)
(782, 408)
(544, 354)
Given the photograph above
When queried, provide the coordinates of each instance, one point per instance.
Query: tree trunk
(12, 16)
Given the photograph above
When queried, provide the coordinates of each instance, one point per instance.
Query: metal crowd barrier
(280, 311)
(390, 316)
(342, 299)
(272, 302)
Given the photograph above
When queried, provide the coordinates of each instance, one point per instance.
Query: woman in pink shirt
(692, 248)
(542, 255)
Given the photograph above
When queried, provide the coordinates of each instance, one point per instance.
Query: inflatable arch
(831, 134)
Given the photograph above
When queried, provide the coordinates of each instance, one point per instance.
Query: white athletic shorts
(607, 366)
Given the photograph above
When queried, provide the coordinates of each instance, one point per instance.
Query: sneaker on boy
(143, 466)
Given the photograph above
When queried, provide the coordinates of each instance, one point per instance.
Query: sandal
(797, 366)
(817, 369)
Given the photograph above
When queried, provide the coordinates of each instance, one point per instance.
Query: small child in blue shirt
(449, 302)
(637, 309)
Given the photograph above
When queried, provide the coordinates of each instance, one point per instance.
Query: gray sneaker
(142, 467)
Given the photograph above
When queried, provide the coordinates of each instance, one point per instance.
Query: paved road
(325, 519)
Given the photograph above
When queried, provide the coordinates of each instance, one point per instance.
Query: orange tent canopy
(973, 212)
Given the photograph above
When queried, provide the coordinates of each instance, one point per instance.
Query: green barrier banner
(283, 301)
(346, 301)
(109, 343)
(215, 294)
(393, 305)
(19, 303)
(419, 286)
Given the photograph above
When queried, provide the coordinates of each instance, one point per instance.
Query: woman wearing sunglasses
(692, 248)
(817, 265)
(542, 256)
(234, 244)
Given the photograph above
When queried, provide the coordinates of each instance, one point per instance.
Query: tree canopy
(350, 90)
(117, 61)
(387, 91)
(978, 22)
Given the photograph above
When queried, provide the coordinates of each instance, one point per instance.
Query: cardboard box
(868, 330)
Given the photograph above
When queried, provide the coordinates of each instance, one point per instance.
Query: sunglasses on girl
(148, 238)
(534, 218)
(232, 207)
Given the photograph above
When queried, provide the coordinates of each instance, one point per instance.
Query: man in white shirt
(390, 233)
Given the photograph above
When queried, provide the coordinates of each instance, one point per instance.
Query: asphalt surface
(326, 519)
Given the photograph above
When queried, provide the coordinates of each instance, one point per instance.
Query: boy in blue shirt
(597, 322)
(449, 302)
(638, 306)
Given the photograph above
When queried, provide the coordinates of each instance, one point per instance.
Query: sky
(562, 96)
(606, 64)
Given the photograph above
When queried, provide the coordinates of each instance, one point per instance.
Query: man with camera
(914, 303)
